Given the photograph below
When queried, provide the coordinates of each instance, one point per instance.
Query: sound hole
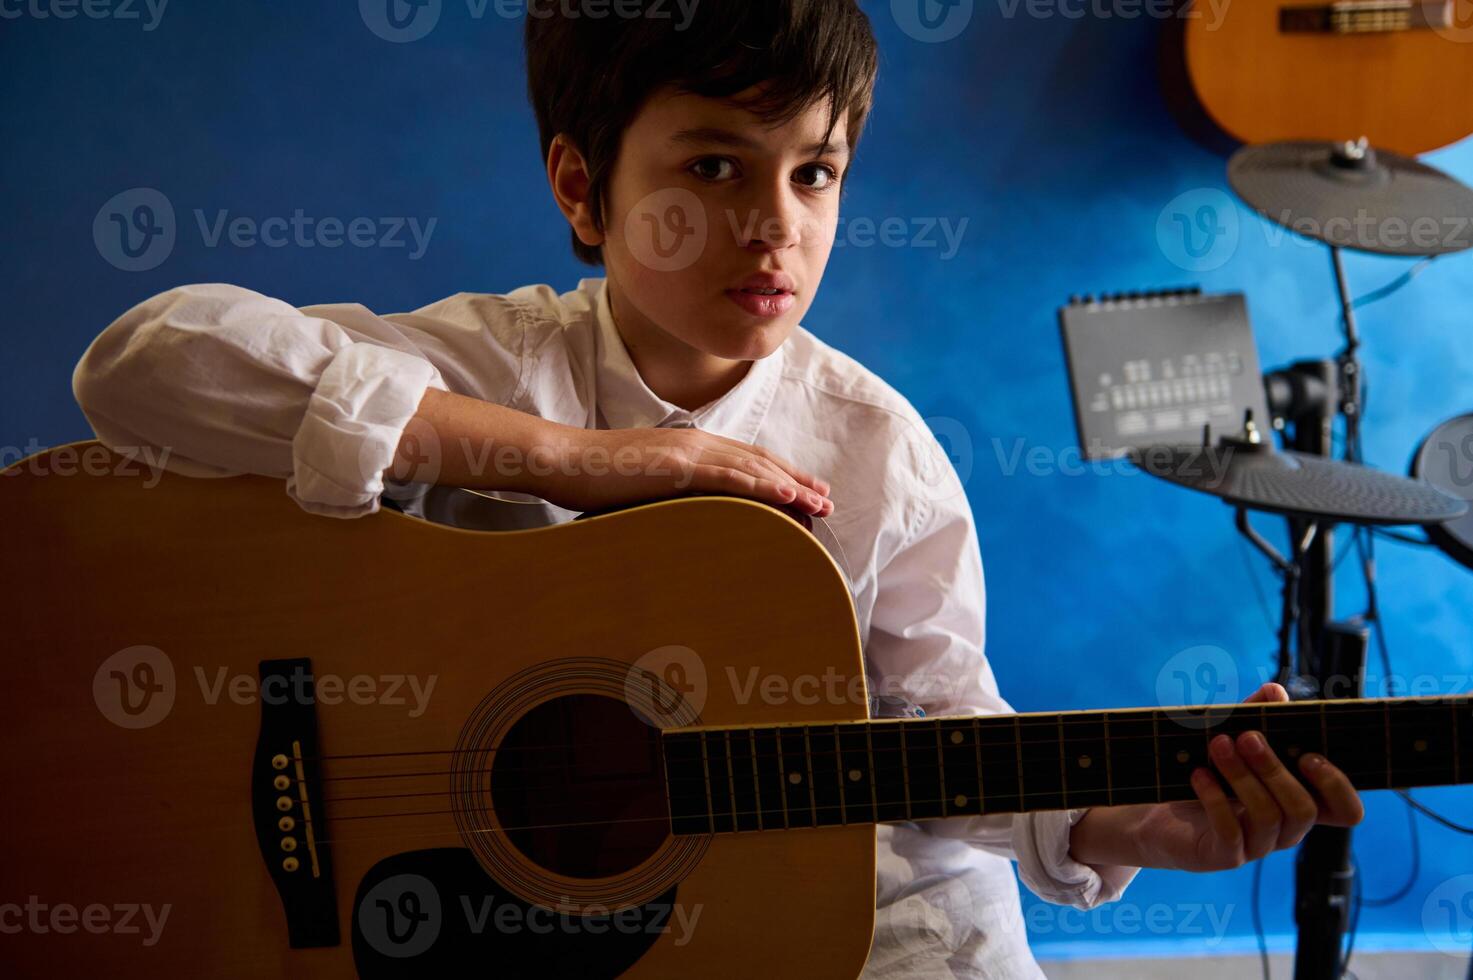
(579, 787)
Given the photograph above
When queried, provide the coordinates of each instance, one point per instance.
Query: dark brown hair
(588, 77)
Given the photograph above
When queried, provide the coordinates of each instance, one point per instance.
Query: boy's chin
(744, 341)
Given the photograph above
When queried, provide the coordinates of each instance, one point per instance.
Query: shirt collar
(626, 402)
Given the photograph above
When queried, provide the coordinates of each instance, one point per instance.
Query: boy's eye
(822, 176)
(712, 168)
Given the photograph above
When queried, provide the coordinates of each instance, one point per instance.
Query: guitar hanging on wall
(244, 741)
(1399, 72)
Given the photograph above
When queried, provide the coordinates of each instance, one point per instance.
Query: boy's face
(708, 211)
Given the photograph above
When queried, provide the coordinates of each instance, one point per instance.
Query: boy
(701, 165)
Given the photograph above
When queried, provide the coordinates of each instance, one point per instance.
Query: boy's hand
(460, 441)
(612, 467)
(1272, 811)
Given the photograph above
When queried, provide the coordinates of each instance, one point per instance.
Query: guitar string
(908, 773)
(1180, 792)
(1291, 711)
(1049, 755)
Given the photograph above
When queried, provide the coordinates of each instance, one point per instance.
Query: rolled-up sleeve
(926, 643)
(229, 381)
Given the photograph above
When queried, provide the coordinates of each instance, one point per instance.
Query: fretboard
(724, 780)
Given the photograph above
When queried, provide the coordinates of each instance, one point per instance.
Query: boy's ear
(567, 173)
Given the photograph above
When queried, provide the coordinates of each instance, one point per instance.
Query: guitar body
(149, 750)
(1236, 68)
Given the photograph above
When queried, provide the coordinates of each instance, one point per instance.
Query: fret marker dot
(956, 738)
(1420, 745)
(1183, 756)
(1085, 762)
(854, 775)
(794, 778)
(1294, 751)
(960, 800)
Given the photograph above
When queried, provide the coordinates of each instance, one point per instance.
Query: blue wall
(1048, 135)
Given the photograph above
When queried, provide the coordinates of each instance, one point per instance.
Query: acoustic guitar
(243, 741)
(1399, 72)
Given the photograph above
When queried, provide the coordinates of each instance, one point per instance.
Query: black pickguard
(436, 913)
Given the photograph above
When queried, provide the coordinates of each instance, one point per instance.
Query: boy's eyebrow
(725, 137)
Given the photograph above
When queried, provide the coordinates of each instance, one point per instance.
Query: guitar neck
(723, 780)
(1365, 16)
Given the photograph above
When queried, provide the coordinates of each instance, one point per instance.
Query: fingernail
(1312, 761)
(1253, 742)
(1222, 746)
(788, 493)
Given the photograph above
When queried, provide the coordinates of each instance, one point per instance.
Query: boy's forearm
(1110, 835)
(459, 441)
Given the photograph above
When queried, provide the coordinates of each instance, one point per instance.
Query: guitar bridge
(287, 805)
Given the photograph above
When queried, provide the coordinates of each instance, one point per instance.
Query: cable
(1380, 293)
(1258, 919)
(1432, 814)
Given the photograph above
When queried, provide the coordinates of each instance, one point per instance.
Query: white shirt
(232, 381)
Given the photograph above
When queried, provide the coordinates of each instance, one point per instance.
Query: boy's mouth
(765, 294)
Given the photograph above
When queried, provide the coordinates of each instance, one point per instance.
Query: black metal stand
(1330, 660)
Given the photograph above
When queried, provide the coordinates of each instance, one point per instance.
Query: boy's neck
(675, 371)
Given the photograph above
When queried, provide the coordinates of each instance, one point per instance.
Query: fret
(685, 784)
(768, 766)
(1038, 748)
(1063, 770)
(1422, 744)
(1455, 708)
(1018, 754)
(859, 786)
(746, 808)
(923, 774)
(889, 781)
(960, 766)
(1356, 741)
(1082, 749)
(1131, 751)
(1293, 730)
(1386, 723)
(1324, 729)
(997, 747)
(718, 775)
(981, 784)
(904, 770)
(941, 771)
(756, 782)
(869, 749)
(823, 767)
(801, 812)
(808, 768)
(1156, 750)
(839, 771)
(1180, 748)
